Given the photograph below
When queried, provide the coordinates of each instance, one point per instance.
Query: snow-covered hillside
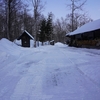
(48, 72)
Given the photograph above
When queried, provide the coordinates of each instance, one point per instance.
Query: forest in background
(16, 16)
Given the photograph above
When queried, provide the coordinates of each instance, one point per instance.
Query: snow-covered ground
(48, 72)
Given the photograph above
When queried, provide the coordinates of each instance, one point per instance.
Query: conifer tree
(49, 28)
(42, 36)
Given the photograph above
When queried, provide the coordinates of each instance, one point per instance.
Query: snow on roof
(91, 26)
(29, 34)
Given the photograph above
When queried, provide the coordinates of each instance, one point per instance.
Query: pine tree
(42, 36)
(49, 28)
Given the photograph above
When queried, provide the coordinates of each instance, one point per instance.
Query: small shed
(25, 39)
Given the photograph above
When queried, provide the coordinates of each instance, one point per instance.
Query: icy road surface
(48, 73)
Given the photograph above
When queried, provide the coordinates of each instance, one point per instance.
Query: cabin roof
(91, 26)
(27, 34)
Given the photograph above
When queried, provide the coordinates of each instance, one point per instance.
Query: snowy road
(49, 73)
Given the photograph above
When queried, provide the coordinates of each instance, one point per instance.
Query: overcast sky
(59, 8)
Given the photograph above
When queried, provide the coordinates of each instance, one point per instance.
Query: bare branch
(80, 5)
(75, 5)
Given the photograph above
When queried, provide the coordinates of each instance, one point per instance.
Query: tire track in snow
(37, 93)
(30, 85)
(81, 72)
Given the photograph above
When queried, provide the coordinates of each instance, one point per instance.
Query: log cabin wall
(88, 39)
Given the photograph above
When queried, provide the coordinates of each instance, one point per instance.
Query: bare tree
(38, 7)
(15, 19)
(79, 20)
(12, 8)
(75, 5)
(2, 20)
(60, 29)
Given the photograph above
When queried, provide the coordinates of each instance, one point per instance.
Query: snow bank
(59, 44)
(9, 47)
(18, 42)
(5, 42)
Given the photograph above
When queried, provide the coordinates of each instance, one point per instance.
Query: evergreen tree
(42, 36)
(49, 28)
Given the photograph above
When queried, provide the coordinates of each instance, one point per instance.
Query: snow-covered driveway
(49, 73)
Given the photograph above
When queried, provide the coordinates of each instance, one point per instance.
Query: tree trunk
(35, 26)
(8, 19)
(72, 15)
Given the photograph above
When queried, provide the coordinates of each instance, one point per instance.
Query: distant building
(87, 35)
(25, 39)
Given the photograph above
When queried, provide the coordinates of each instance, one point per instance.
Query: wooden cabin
(87, 35)
(25, 39)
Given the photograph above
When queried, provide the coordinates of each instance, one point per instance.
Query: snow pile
(48, 72)
(9, 47)
(59, 44)
(18, 42)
